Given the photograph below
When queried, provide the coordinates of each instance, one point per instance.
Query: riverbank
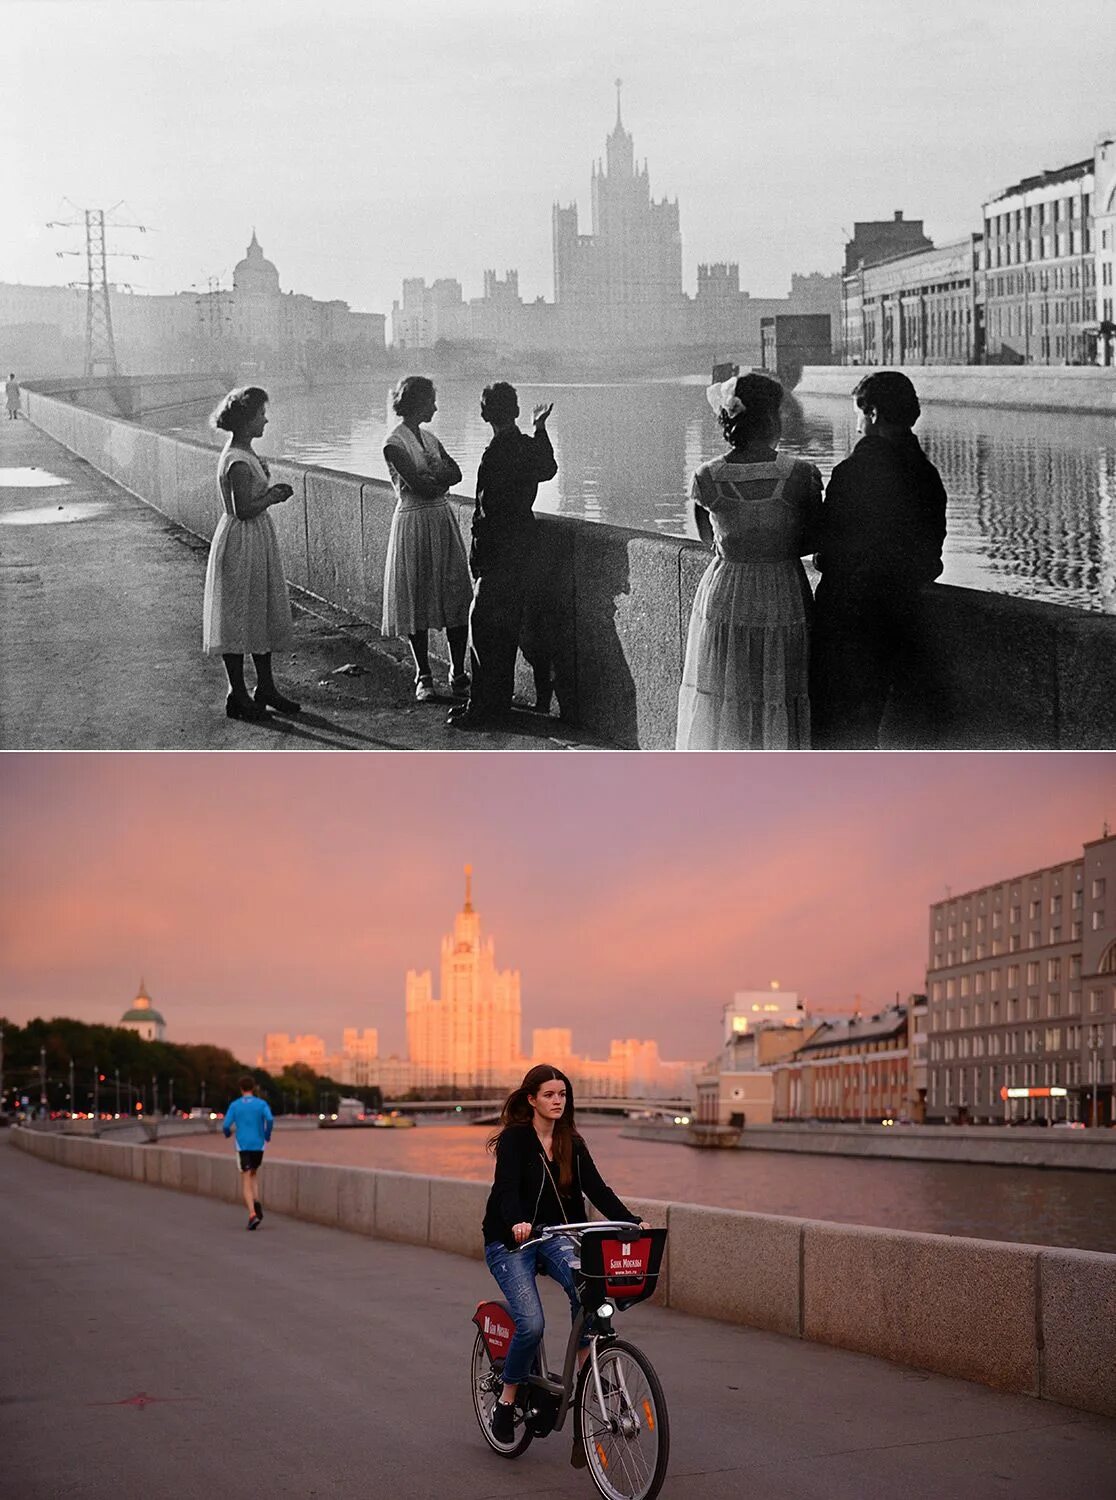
(983, 1145)
(1064, 388)
(1021, 1318)
(998, 672)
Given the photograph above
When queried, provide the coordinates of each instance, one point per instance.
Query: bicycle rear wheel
(487, 1386)
(627, 1443)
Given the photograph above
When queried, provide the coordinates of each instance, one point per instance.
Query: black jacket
(511, 470)
(883, 521)
(522, 1192)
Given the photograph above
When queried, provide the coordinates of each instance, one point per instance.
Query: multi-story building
(1040, 293)
(1021, 980)
(857, 1069)
(281, 1051)
(914, 309)
(759, 1028)
(875, 240)
(1104, 241)
(470, 1034)
(621, 284)
(359, 1057)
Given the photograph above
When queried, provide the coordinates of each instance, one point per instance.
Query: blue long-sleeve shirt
(252, 1120)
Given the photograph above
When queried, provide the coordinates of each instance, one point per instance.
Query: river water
(1022, 1204)
(1032, 495)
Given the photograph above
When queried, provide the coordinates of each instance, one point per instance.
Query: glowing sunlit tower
(471, 1035)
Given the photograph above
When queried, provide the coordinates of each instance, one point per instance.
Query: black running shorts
(250, 1161)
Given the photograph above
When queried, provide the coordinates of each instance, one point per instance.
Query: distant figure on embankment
(11, 391)
(882, 528)
(252, 1120)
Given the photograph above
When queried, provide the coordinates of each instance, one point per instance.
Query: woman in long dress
(246, 605)
(745, 682)
(426, 573)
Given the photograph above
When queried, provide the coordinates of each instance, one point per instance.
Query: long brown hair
(518, 1110)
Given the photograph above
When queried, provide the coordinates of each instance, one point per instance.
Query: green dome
(146, 1013)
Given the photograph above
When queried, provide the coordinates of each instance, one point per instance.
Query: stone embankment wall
(1075, 1150)
(134, 396)
(1022, 1318)
(1001, 673)
(1076, 388)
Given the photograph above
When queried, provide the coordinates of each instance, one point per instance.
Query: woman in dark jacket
(543, 1171)
(882, 528)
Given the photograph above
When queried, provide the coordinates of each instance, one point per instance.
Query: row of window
(993, 896)
(1016, 221)
(1016, 1008)
(1013, 1043)
(980, 1087)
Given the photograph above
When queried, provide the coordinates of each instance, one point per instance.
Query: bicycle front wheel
(487, 1386)
(627, 1441)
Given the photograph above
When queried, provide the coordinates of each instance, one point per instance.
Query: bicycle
(621, 1427)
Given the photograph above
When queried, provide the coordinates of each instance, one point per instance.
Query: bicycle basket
(625, 1270)
(496, 1326)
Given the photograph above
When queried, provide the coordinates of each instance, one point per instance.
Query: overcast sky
(368, 141)
(635, 893)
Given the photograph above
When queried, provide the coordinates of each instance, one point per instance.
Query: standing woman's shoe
(273, 698)
(236, 708)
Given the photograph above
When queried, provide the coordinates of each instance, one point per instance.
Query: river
(1026, 1205)
(1032, 494)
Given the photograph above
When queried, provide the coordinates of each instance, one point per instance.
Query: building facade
(1021, 980)
(142, 1017)
(1104, 241)
(469, 1036)
(854, 1071)
(1040, 269)
(622, 283)
(916, 309)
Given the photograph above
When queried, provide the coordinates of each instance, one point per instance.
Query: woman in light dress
(745, 682)
(246, 605)
(426, 574)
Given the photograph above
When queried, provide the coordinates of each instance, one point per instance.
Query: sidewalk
(157, 1349)
(100, 637)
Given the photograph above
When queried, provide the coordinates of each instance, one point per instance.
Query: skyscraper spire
(468, 888)
(619, 82)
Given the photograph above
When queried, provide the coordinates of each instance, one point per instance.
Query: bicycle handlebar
(550, 1231)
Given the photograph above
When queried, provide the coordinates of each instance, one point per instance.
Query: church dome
(141, 1009)
(255, 273)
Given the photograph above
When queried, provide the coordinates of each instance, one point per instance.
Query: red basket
(621, 1265)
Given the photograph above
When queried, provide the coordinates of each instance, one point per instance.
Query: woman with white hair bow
(745, 682)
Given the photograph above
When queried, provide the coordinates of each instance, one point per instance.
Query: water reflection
(1019, 1204)
(1032, 495)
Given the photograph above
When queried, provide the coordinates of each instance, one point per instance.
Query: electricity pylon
(100, 346)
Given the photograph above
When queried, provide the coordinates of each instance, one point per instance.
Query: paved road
(100, 636)
(302, 1361)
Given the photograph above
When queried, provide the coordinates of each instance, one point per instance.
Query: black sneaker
(253, 1222)
(258, 1206)
(503, 1424)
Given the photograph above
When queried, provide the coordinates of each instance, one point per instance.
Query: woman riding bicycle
(543, 1168)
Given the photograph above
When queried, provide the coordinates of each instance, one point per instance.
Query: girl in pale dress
(745, 682)
(426, 573)
(246, 605)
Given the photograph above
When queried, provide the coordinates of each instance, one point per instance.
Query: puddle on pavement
(29, 479)
(53, 515)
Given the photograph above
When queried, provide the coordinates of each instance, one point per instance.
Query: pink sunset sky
(635, 893)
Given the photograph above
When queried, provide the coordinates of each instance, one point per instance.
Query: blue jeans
(515, 1272)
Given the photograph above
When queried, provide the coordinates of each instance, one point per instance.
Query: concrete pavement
(100, 636)
(157, 1349)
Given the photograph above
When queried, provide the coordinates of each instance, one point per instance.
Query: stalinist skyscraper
(622, 284)
(470, 1036)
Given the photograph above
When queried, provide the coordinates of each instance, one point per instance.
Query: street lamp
(1095, 1036)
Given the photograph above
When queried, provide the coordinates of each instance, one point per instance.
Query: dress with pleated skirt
(426, 573)
(745, 681)
(246, 606)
